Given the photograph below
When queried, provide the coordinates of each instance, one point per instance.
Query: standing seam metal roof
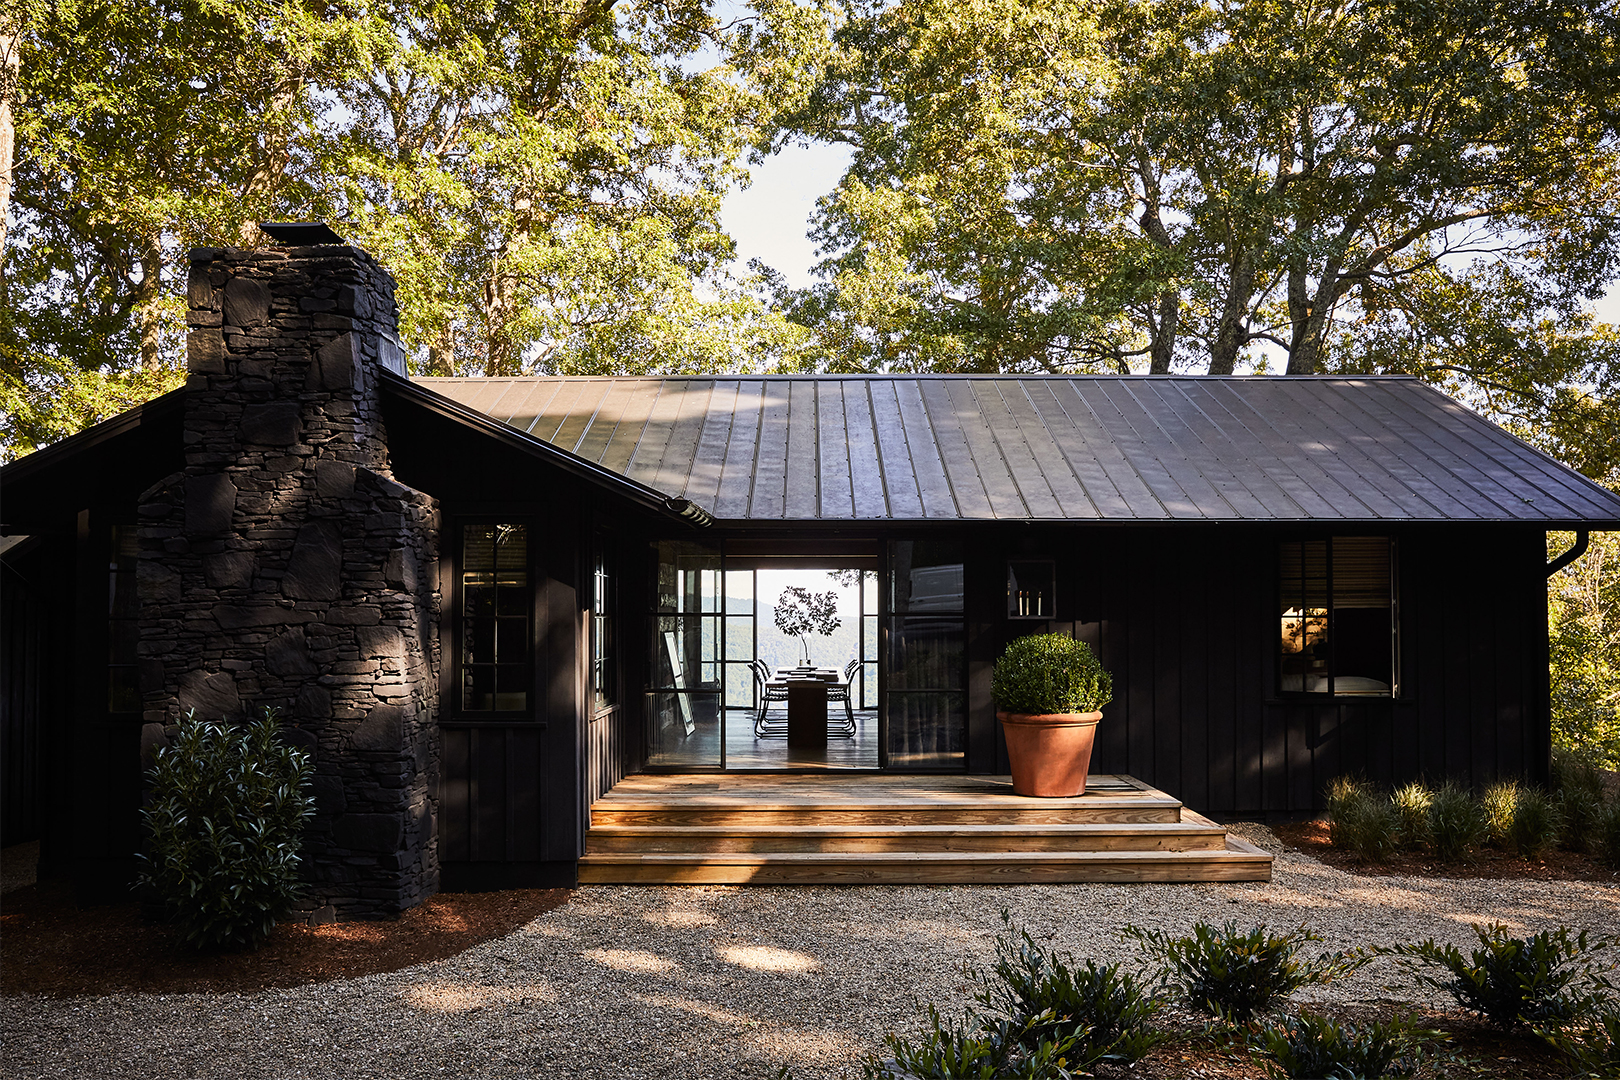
(1080, 448)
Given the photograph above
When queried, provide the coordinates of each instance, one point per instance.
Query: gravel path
(727, 982)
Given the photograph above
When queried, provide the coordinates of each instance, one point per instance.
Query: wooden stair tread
(1105, 828)
(753, 858)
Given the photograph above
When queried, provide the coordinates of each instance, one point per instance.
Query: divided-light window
(497, 617)
(1338, 617)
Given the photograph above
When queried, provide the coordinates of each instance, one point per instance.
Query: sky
(769, 220)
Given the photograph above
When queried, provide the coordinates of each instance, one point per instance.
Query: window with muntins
(497, 607)
(1338, 629)
(603, 675)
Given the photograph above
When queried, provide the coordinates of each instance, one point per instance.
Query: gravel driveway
(727, 981)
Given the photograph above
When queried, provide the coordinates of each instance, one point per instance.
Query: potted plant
(1049, 690)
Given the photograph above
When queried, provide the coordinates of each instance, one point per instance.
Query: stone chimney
(287, 568)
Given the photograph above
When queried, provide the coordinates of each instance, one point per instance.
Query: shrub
(1536, 822)
(1050, 673)
(1098, 1013)
(1606, 836)
(1234, 974)
(1579, 789)
(1545, 979)
(1361, 820)
(1456, 822)
(1499, 802)
(967, 1050)
(228, 805)
(1309, 1047)
(1412, 802)
(1592, 1044)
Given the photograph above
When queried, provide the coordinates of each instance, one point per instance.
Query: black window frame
(1331, 630)
(458, 622)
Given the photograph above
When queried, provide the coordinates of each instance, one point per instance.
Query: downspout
(1582, 538)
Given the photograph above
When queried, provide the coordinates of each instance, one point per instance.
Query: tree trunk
(148, 302)
(258, 194)
(1164, 332)
(1163, 344)
(1231, 333)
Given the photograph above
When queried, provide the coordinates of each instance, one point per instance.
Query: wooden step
(1238, 861)
(891, 829)
(1152, 836)
(779, 815)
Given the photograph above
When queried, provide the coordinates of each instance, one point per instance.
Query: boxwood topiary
(228, 806)
(1050, 673)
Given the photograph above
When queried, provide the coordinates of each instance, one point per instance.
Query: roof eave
(672, 506)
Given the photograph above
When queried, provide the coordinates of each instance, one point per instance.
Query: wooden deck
(882, 829)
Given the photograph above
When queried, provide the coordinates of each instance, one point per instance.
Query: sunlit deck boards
(884, 829)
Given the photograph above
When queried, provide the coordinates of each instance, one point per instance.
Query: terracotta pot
(1050, 754)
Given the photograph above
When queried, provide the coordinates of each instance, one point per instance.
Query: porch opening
(768, 659)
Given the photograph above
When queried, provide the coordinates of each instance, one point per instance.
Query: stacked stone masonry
(286, 568)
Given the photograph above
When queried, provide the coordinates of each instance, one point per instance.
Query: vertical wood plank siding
(1183, 619)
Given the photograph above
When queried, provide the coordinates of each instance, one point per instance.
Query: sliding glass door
(926, 688)
(685, 658)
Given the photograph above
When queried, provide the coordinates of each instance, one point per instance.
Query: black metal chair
(846, 728)
(763, 727)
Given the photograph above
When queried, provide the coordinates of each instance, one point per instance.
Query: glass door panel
(685, 726)
(927, 660)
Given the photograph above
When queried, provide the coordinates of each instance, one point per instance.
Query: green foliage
(968, 1050)
(1081, 186)
(1579, 788)
(1311, 1047)
(1546, 979)
(1234, 974)
(1456, 822)
(1500, 802)
(1097, 1014)
(1412, 804)
(228, 805)
(1042, 1017)
(543, 181)
(1050, 673)
(1606, 836)
(1583, 630)
(1592, 1043)
(1362, 820)
(1537, 821)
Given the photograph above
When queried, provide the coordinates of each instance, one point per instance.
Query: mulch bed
(55, 947)
(1311, 837)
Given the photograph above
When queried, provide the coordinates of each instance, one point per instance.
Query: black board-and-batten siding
(1186, 620)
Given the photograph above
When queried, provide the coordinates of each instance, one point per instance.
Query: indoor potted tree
(1049, 690)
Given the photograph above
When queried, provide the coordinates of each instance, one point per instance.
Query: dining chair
(846, 728)
(763, 729)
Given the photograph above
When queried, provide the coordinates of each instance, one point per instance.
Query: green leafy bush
(1311, 1047)
(1234, 974)
(1099, 1014)
(1362, 820)
(228, 806)
(1536, 822)
(1456, 822)
(1606, 836)
(1592, 1043)
(969, 1049)
(1545, 979)
(1500, 801)
(1050, 673)
(1412, 802)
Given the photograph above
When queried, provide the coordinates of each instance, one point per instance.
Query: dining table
(807, 689)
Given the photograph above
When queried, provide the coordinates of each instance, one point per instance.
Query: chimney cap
(300, 233)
